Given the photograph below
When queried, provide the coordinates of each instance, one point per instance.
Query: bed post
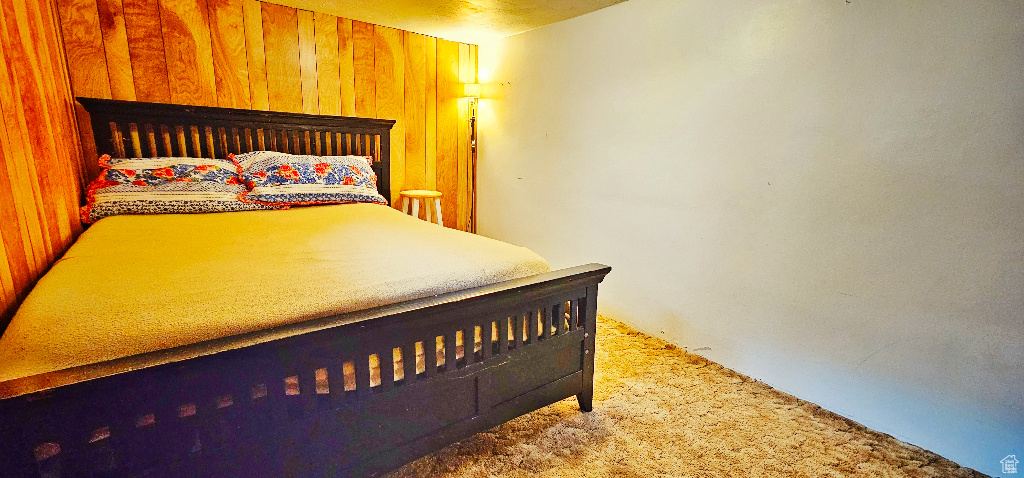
(384, 178)
(589, 316)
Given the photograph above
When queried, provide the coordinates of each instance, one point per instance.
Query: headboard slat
(117, 142)
(179, 133)
(151, 141)
(197, 143)
(136, 144)
(165, 134)
(207, 132)
(211, 145)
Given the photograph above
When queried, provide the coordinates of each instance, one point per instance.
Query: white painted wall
(827, 196)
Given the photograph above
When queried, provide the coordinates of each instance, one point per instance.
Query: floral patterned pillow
(165, 186)
(281, 179)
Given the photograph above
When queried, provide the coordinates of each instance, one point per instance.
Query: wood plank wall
(249, 54)
(40, 174)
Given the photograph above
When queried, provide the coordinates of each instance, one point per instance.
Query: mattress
(136, 284)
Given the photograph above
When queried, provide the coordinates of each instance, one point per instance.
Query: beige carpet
(659, 411)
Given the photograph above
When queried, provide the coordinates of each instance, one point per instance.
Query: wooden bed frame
(274, 402)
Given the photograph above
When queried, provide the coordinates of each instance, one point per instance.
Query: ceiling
(467, 21)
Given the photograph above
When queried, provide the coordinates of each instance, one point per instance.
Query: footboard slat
(504, 331)
(362, 367)
(307, 388)
(469, 344)
(387, 369)
(285, 403)
(517, 330)
(532, 332)
(409, 363)
(450, 356)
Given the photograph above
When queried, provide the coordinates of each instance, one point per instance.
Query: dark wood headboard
(133, 129)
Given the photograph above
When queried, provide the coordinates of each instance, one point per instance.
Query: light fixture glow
(471, 90)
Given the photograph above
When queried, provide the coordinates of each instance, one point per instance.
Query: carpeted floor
(659, 411)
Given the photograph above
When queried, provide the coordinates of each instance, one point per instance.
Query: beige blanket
(134, 284)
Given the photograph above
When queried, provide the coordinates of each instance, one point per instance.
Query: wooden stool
(416, 195)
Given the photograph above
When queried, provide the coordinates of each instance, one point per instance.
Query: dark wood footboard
(305, 399)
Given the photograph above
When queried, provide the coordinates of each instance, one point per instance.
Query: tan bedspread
(134, 284)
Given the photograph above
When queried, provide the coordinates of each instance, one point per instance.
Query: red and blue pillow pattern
(280, 179)
(165, 186)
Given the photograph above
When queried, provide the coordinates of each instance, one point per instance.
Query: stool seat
(415, 195)
(421, 193)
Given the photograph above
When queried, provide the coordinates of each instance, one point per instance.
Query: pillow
(164, 186)
(281, 179)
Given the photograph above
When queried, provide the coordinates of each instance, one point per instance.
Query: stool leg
(416, 207)
(437, 204)
(405, 204)
(426, 208)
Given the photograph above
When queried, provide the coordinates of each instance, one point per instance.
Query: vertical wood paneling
(84, 48)
(62, 83)
(430, 113)
(415, 110)
(146, 49)
(389, 63)
(186, 29)
(18, 231)
(465, 76)
(327, 68)
(16, 99)
(255, 54)
(27, 116)
(448, 128)
(115, 45)
(281, 42)
(8, 292)
(365, 77)
(81, 24)
(15, 179)
(230, 63)
(346, 67)
(62, 124)
(307, 63)
(39, 184)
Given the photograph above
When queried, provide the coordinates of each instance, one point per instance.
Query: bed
(350, 376)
